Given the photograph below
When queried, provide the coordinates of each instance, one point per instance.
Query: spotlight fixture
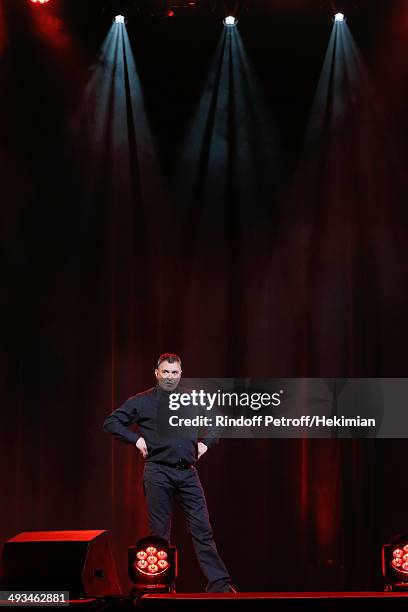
(152, 565)
(339, 18)
(119, 19)
(395, 563)
(39, 1)
(230, 21)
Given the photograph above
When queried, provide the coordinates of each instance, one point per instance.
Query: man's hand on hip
(141, 446)
(202, 448)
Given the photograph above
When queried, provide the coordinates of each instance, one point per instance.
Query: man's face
(168, 375)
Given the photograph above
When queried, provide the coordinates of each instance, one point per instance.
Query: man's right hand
(141, 446)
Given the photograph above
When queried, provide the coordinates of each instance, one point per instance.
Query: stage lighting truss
(182, 4)
(153, 565)
(339, 18)
(230, 21)
(395, 563)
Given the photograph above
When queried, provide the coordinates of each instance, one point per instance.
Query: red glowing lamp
(395, 563)
(152, 565)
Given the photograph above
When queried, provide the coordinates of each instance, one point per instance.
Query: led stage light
(230, 21)
(152, 565)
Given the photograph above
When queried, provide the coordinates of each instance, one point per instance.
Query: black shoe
(227, 587)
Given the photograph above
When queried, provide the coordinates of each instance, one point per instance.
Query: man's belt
(181, 464)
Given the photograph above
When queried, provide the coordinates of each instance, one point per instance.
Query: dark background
(290, 265)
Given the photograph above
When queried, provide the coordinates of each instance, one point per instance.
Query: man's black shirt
(143, 410)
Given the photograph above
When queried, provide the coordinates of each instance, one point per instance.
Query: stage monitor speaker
(80, 562)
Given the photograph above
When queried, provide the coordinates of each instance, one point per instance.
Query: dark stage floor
(276, 602)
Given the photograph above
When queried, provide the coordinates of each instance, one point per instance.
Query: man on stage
(170, 471)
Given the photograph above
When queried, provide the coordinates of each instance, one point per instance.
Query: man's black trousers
(162, 484)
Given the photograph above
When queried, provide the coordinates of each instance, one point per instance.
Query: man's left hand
(202, 448)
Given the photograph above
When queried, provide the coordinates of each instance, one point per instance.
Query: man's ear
(156, 372)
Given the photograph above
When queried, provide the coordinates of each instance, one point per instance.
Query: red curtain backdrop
(279, 250)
